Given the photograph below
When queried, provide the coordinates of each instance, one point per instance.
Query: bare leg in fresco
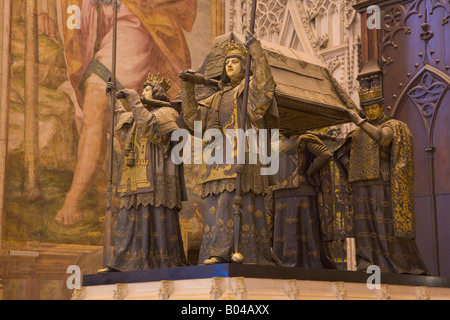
(138, 54)
(91, 150)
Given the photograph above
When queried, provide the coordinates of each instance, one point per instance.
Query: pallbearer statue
(377, 159)
(221, 111)
(297, 237)
(151, 187)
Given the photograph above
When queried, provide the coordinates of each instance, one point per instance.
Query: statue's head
(155, 88)
(235, 63)
(372, 102)
(374, 111)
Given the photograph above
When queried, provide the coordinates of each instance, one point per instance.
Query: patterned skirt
(147, 238)
(375, 241)
(297, 241)
(218, 229)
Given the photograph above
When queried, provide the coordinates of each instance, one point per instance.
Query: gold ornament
(165, 84)
(370, 95)
(234, 49)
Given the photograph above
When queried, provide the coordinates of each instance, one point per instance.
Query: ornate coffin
(308, 96)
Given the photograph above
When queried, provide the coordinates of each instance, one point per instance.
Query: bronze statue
(222, 111)
(297, 237)
(377, 159)
(151, 187)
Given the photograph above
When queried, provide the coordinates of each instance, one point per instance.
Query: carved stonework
(328, 29)
(292, 289)
(339, 291)
(383, 293)
(321, 42)
(217, 288)
(397, 21)
(164, 290)
(270, 17)
(238, 287)
(422, 293)
(78, 294)
(120, 292)
(392, 17)
(427, 94)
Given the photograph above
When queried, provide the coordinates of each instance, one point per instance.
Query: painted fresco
(74, 59)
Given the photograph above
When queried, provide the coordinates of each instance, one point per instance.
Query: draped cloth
(383, 198)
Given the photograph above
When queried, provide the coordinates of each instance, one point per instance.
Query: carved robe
(381, 175)
(151, 188)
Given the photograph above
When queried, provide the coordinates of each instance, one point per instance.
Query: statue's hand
(123, 94)
(354, 115)
(186, 75)
(249, 38)
(109, 87)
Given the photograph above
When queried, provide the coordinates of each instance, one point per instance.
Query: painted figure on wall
(221, 111)
(148, 234)
(297, 236)
(150, 40)
(377, 159)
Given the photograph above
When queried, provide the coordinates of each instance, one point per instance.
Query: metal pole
(112, 101)
(5, 71)
(237, 256)
(434, 226)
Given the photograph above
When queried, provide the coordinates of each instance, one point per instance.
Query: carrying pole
(237, 256)
(112, 102)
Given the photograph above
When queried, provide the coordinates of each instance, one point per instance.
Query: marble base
(257, 282)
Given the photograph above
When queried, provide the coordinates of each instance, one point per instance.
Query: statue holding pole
(235, 222)
(151, 187)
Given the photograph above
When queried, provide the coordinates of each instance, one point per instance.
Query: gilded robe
(381, 176)
(151, 188)
(219, 180)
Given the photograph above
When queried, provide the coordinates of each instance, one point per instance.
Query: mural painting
(65, 201)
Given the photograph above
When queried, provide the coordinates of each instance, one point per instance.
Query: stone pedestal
(256, 282)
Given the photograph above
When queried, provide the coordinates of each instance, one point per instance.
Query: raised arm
(382, 135)
(191, 110)
(262, 84)
(321, 153)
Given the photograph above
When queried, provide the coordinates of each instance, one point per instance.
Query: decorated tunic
(381, 175)
(152, 178)
(226, 105)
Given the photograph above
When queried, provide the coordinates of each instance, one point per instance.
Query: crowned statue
(222, 111)
(378, 162)
(151, 187)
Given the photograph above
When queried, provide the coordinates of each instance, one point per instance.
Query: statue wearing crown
(222, 111)
(377, 161)
(151, 187)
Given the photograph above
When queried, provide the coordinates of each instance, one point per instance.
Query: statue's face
(374, 111)
(233, 67)
(148, 93)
